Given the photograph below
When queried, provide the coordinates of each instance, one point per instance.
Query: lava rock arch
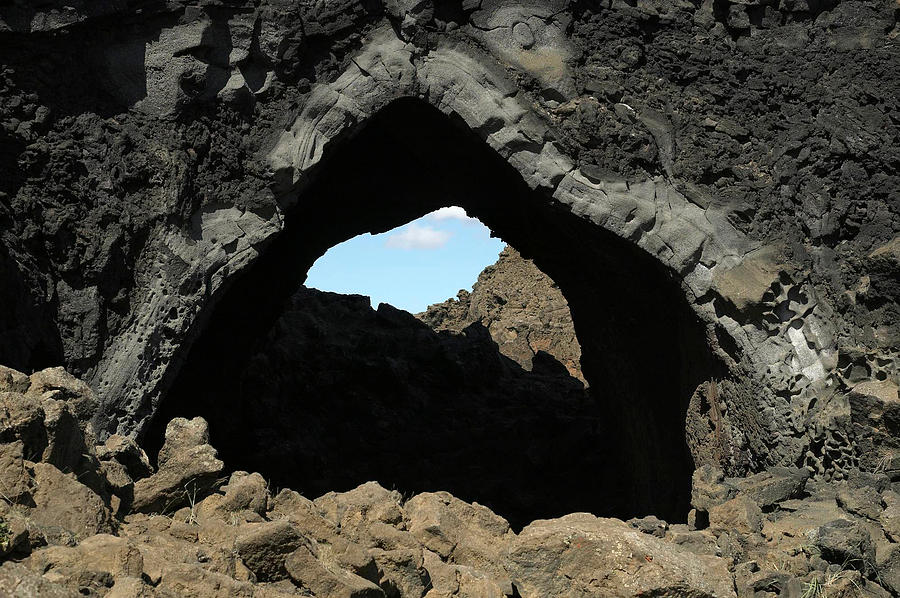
(644, 350)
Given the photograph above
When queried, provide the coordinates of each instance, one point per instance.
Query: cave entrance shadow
(644, 352)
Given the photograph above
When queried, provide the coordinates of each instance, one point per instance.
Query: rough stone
(309, 573)
(188, 468)
(709, 488)
(263, 547)
(739, 514)
(246, 491)
(66, 511)
(846, 543)
(773, 486)
(562, 557)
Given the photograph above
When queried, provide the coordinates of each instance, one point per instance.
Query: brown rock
(182, 579)
(462, 533)
(263, 546)
(14, 532)
(16, 581)
(739, 514)
(863, 500)
(448, 581)
(356, 510)
(582, 555)
(183, 435)
(22, 418)
(521, 307)
(246, 491)
(745, 284)
(66, 445)
(350, 556)
(66, 510)
(890, 516)
(56, 383)
(773, 486)
(402, 572)
(304, 513)
(92, 563)
(188, 469)
(124, 450)
(309, 573)
(130, 587)
(15, 483)
(13, 381)
(709, 488)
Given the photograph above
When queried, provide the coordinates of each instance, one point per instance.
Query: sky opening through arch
(412, 266)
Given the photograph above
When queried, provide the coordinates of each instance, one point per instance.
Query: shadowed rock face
(741, 157)
(626, 311)
(337, 394)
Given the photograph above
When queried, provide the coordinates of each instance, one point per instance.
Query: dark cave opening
(351, 394)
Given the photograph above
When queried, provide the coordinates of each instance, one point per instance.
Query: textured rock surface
(152, 152)
(801, 538)
(521, 307)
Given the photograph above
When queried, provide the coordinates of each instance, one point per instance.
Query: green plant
(812, 589)
(192, 501)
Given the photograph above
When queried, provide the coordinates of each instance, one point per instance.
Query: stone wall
(152, 151)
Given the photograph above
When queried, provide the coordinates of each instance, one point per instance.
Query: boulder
(22, 418)
(246, 491)
(366, 503)
(15, 483)
(402, 572)
(459, 532)
(864, 501)
(304, 513)
(650, 525)
(709, 488)
(17, 581)
(309, 573)
(344, 554)
(887, 565)
(448, 581)
(740, 514)
(583, 555)
(890, 516)
(847, 544)
(66, 443)
(773, 486)
(66, 511)
(188, 469)
(91, 564)
(13, 381)
(124, 450)
(183, 579)
(14, 532)
(56, 383)
(263, 546)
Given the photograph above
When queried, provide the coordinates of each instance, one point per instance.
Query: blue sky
(426, 261)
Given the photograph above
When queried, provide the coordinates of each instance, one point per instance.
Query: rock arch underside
(712, 186)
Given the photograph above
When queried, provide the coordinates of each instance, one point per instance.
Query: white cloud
(418, 237)
(451, 213)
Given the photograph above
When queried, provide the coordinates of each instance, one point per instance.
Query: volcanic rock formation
(739, 157)
(79, 519)
(713, 185)
(522, 309)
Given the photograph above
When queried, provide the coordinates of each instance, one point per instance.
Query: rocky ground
(80, 519)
